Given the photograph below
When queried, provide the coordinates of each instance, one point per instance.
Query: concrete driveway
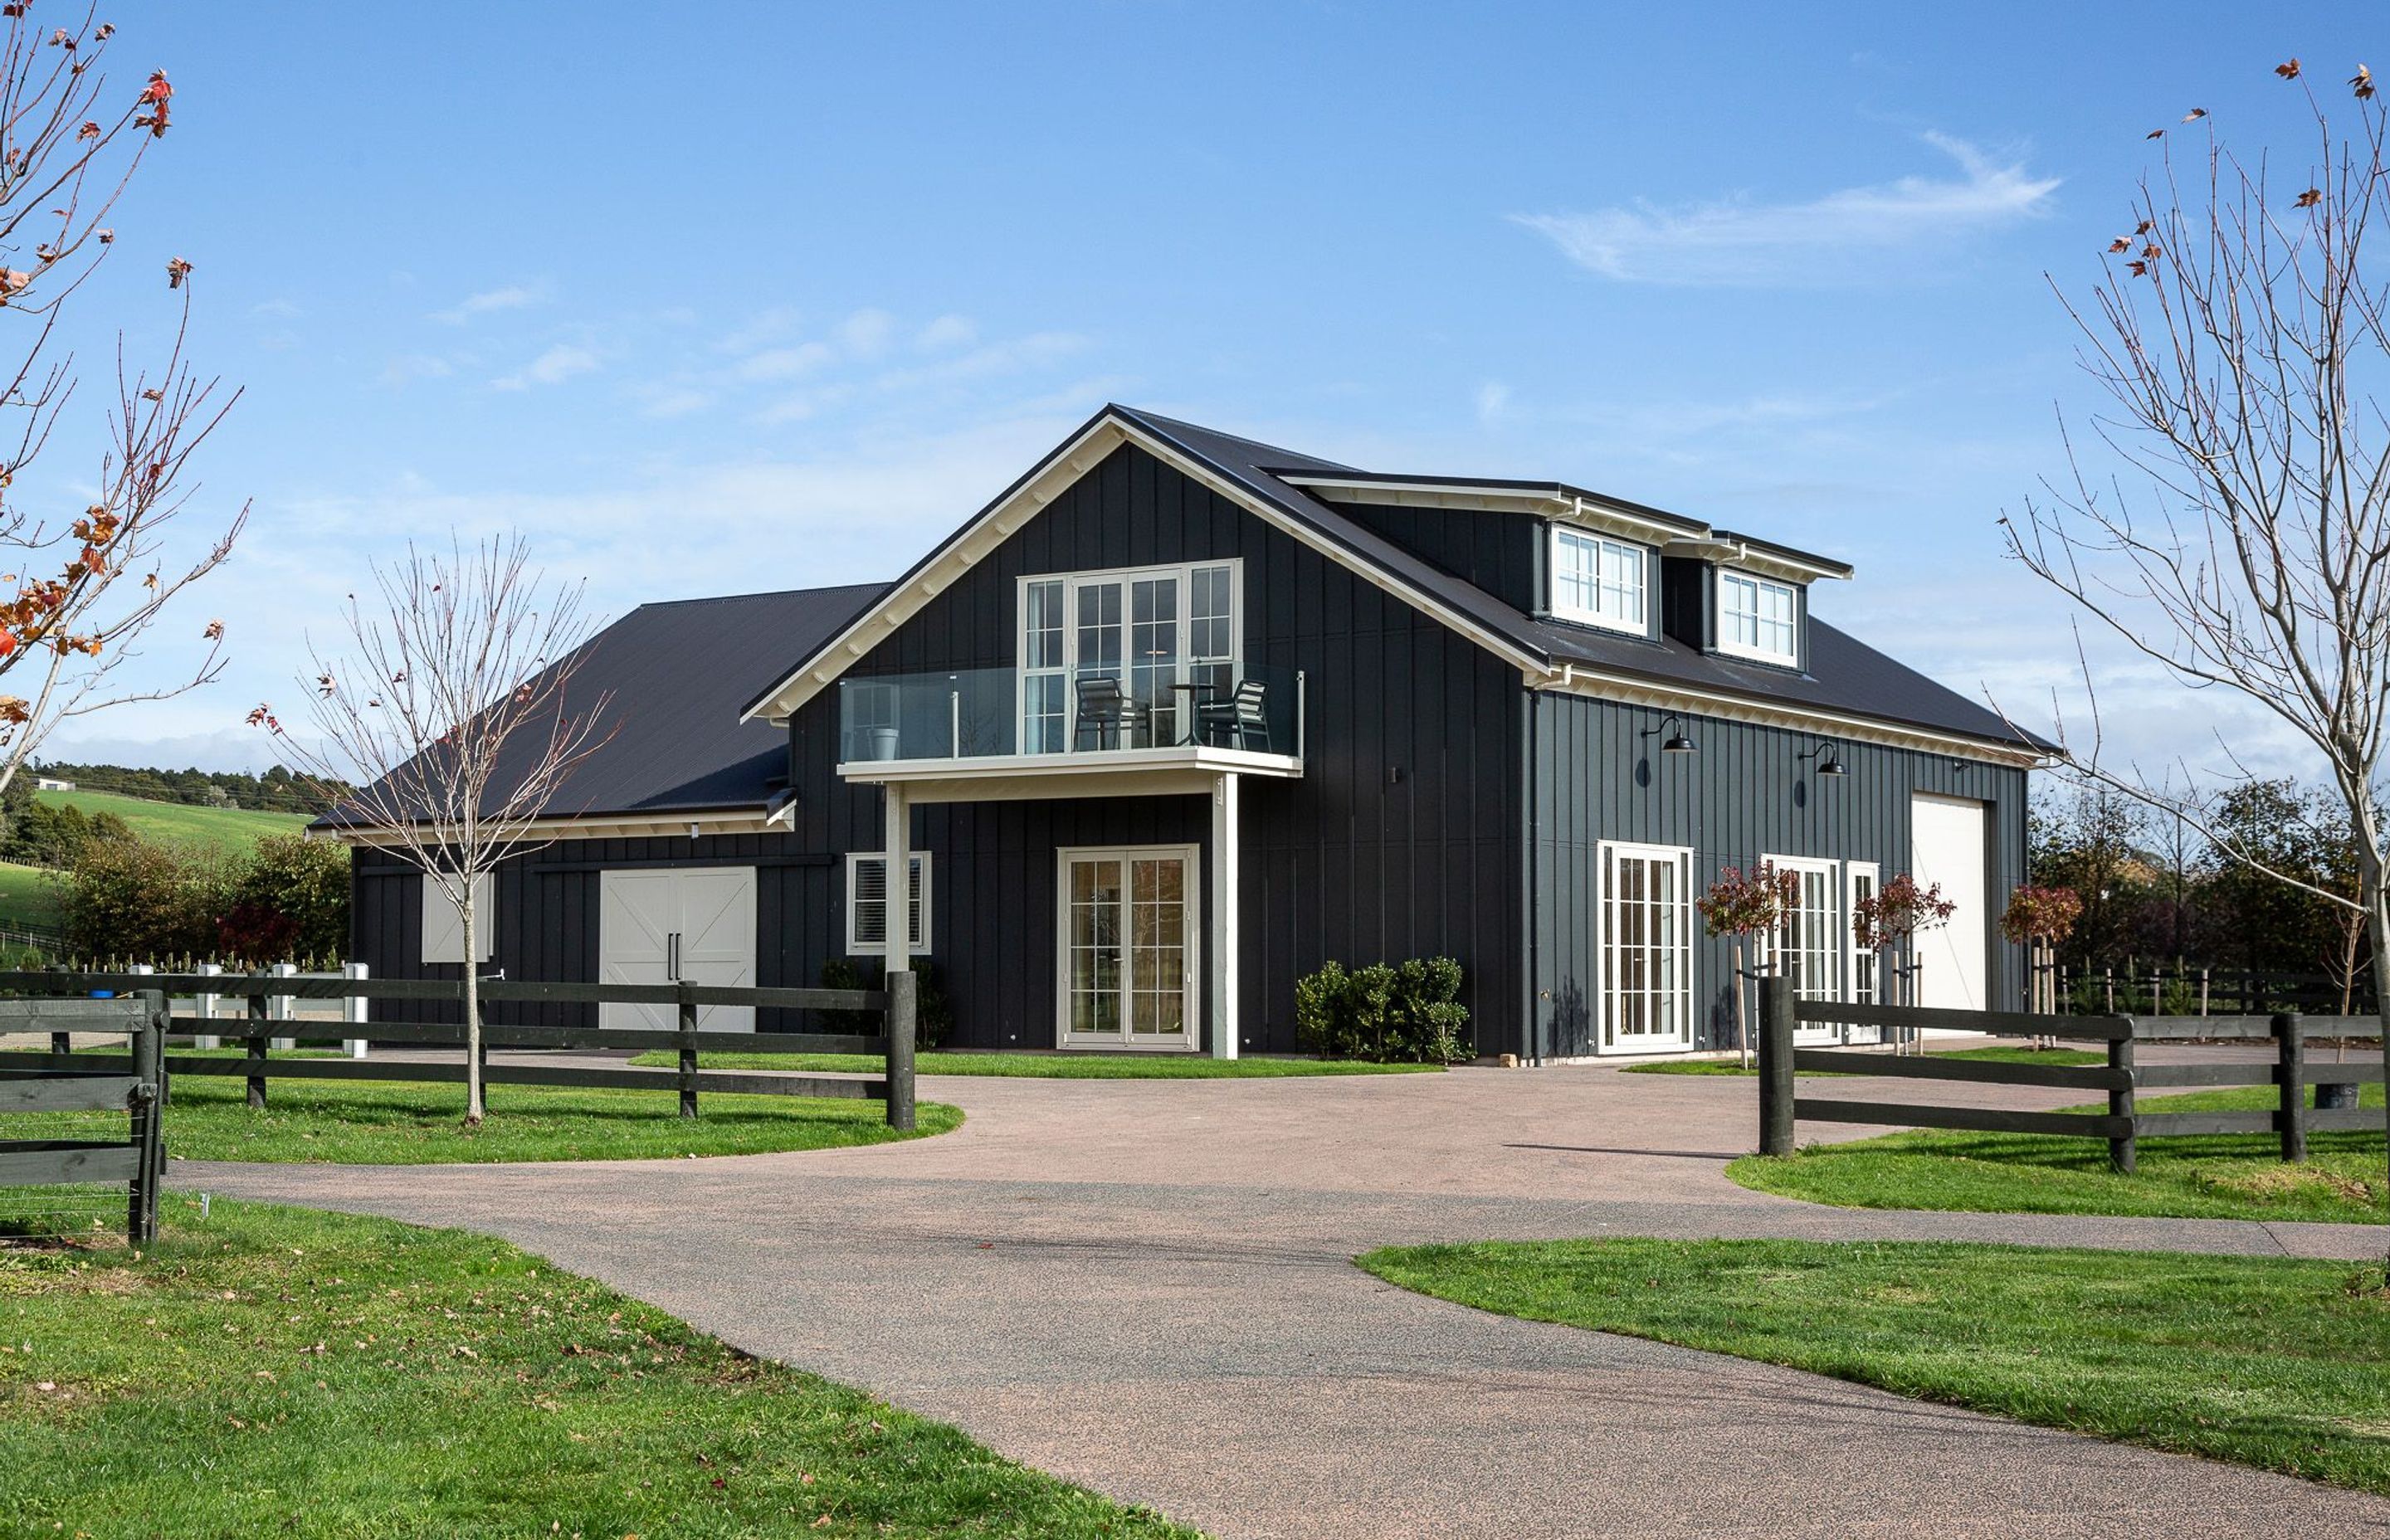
(1145, 1287)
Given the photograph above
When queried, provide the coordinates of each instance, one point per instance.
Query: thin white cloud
(558, 364)
(865, 333)
(947, 331)
(786, 362)
(512, 297)
(1493, 400)
(1843, 235)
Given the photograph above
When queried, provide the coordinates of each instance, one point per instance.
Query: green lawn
(29, 897)
(178, 823)
(385, 1122)
(1997, 1055)
(274, 1370)
(1054, 1066)
(2224, 1176)
(2274, 1362)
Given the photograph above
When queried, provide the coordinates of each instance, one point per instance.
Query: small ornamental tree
(2038, 920)
(1743, 904)
(1891, 917)
(449, 730)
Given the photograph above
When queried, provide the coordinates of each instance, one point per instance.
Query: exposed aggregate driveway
(1147, 1287)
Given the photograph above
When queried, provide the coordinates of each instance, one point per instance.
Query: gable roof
(1847, 678)
(675, 673)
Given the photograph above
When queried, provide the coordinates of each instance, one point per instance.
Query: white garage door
(1946, 845)
(696, 923)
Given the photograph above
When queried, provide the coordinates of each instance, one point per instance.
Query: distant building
(52, 783)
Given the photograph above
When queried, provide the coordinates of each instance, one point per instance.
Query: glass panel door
(1045, 680)
(1645, 949)
(1128, 972)
(1152, 662)
(1096, 650)
(1092, 934)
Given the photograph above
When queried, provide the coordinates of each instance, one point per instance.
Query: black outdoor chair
(1103, 706)
(1236, 720)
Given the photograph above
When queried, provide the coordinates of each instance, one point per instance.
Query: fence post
(898, 1028)
(256, 1046)
(1776, 1002)
(2123, 1153)
(353, 1008)
(147, 1109)
(284, 1007)
(2291, 1076)
(206, 1006)
(688, 1049)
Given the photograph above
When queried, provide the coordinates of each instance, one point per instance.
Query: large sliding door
(1128, 924)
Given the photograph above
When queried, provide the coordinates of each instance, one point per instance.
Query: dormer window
(1758, 618)
(1599, 581)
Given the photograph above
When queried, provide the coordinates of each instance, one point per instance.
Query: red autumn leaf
(2310, 197)
(2140, 269)
(2288, 71)
(88, 131)
(2363, 81)
(2194, 114)
(158, 90)
(2119, 244)
(176, 271)
(2154, 134)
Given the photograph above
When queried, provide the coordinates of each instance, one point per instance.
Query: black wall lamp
(1829, 762)
(1676, 742)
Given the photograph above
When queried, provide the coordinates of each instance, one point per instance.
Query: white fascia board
(976, 540)
(630, 826)
(1552, 502)
(1779, 565)
(1578, 679)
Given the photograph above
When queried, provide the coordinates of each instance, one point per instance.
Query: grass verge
(2279, 1364)
(2222, 1176)
(1995, 1056)
(1054, 1066)
(274, 1369)
(388, 1123)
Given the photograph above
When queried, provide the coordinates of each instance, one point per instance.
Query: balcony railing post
(1302, 712)
(954, 723)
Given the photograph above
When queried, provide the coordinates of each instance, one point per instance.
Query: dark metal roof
(1844, 674)
(674, 675)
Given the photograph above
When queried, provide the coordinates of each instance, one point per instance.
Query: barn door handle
(672, 955)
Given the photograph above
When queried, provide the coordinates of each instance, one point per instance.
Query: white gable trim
(977, 540)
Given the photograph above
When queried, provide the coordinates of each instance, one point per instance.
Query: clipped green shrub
(1406, 1013)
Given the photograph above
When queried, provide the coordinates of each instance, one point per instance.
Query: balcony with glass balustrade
(1213, 716)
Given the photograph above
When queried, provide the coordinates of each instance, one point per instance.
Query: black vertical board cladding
(1348, 862)
(1743, 794)
(1495, 550)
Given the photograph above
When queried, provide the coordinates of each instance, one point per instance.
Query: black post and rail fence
(895, 1006)
(132, 1082)
(2289, 1067)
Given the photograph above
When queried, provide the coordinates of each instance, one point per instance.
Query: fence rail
(893, 1045)
(133, 1084)
(2123, 1126)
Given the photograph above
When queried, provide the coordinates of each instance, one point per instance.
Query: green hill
(230, 828)
(28, 897)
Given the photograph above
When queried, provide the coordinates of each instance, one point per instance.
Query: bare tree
(453, 707)
(83, 587)
(2239, 337)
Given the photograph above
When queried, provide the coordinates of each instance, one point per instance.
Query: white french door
(1809, 948)
(1647, 948)
(1128, 939)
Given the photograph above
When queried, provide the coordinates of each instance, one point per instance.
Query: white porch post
(1221, 986)
(353, 1009)
(899, 848)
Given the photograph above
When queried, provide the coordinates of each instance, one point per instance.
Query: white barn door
(657, 926)
(1946, 845)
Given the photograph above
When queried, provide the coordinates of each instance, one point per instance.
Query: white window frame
(1604, 547)
(1854, 874)
(1188, 1038)
(917, 910)
(444, 929)
(1727, 578)
(1068, 669)
(1682, 945)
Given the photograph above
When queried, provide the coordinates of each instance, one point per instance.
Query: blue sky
(719, 298)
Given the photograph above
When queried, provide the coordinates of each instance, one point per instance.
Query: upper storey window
(1599, 581)
(1757, 617)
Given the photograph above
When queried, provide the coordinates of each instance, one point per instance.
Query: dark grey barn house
(1178, 716)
